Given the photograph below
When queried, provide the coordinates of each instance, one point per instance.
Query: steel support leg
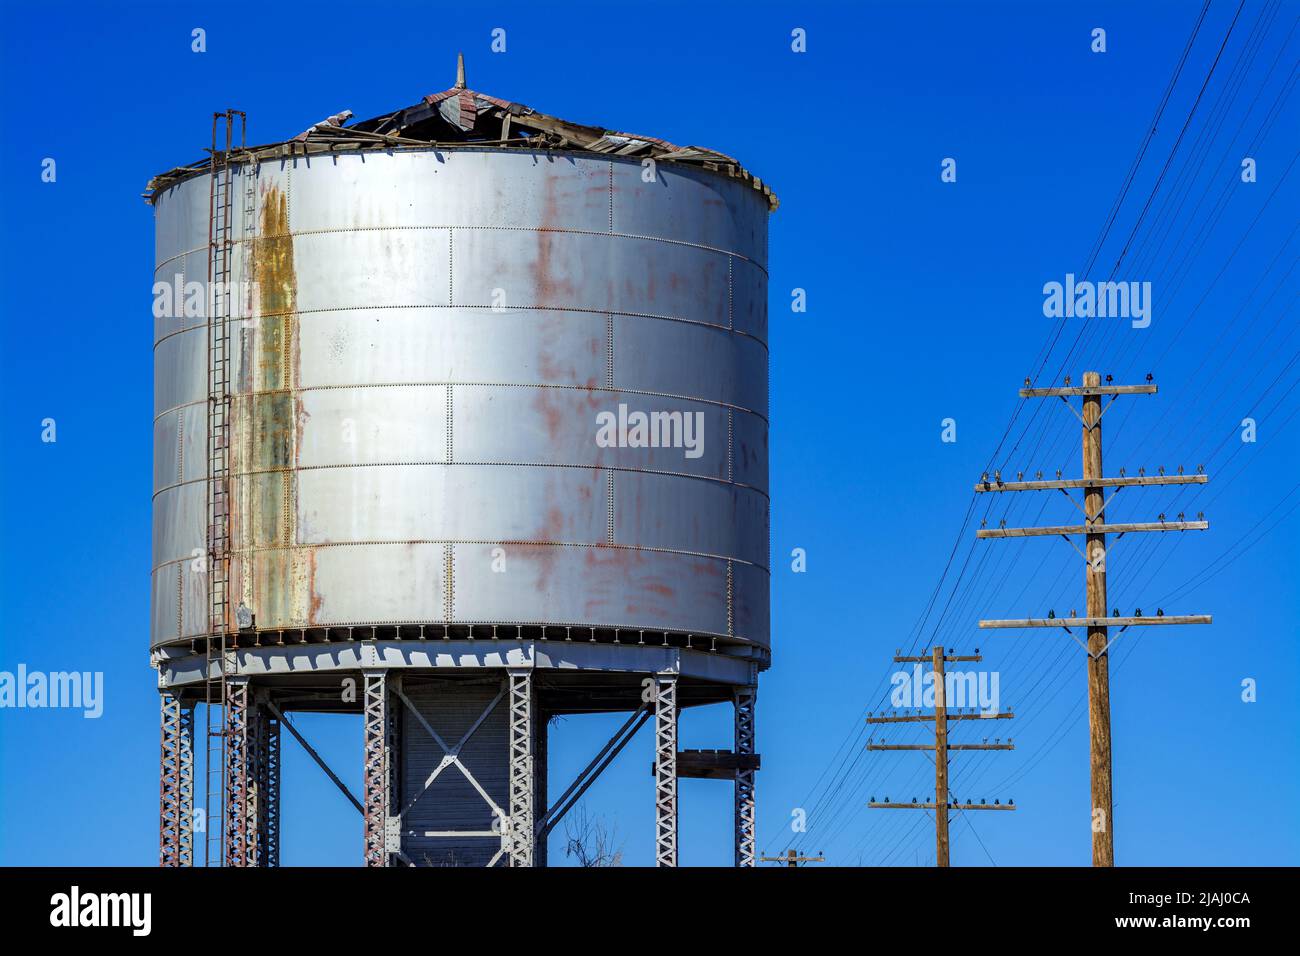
(262, 807)
(666, 770)
(378, 780)
(176, 784)
(187, 786)
(521, 767)
(237, 773)
(539, 783)
(745, 699)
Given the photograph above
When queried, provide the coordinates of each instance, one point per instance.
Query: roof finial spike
(460, 71)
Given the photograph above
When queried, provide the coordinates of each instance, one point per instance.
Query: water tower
(460, 423)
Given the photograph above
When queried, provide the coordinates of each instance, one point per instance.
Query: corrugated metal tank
(432, 341)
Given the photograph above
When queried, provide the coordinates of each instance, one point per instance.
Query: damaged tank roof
(461, 117)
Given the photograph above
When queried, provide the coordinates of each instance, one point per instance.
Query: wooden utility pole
(940, 759)
(793, 859)
(1094, 530)
(1094, 575)
(942, 804)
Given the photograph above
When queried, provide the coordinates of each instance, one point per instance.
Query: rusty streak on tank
(281, 572)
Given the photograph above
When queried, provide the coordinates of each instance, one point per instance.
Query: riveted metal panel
(749, 300)
(345, 426)
(166, 450)
(193, 421)
(179, 516)
(749, 450)
(620, 587)
(690, 205)
(164, 604)
(601, 273)
(510, 346)
(500, 190)
(393, 267)
(437, 339)
(709, 517)
(751, 597)
(179, 437)
(562, 426)
(359, 584)
(452, 503)
(194, 599)
(180, 370)
(181, 220)
(683, 358)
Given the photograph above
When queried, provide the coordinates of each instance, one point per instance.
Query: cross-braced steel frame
(501, 825)
(235, 851)
(262, 810)
(522, 834)
(745, 700)
(665, 687)
(251, 772)
(176, 784)
(378, 768)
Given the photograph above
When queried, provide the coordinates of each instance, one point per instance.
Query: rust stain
(282, 583)
(552, 414)
(314, 599)
(551, 290)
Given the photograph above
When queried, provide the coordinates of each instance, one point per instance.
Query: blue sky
(924, 303)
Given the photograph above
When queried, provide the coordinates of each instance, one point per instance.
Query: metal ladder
(220, 244)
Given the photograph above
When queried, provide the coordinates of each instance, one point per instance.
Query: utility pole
(793, 859)
(1094, 529)
(942, 803)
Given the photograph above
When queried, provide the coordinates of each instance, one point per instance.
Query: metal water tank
(489, 375)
